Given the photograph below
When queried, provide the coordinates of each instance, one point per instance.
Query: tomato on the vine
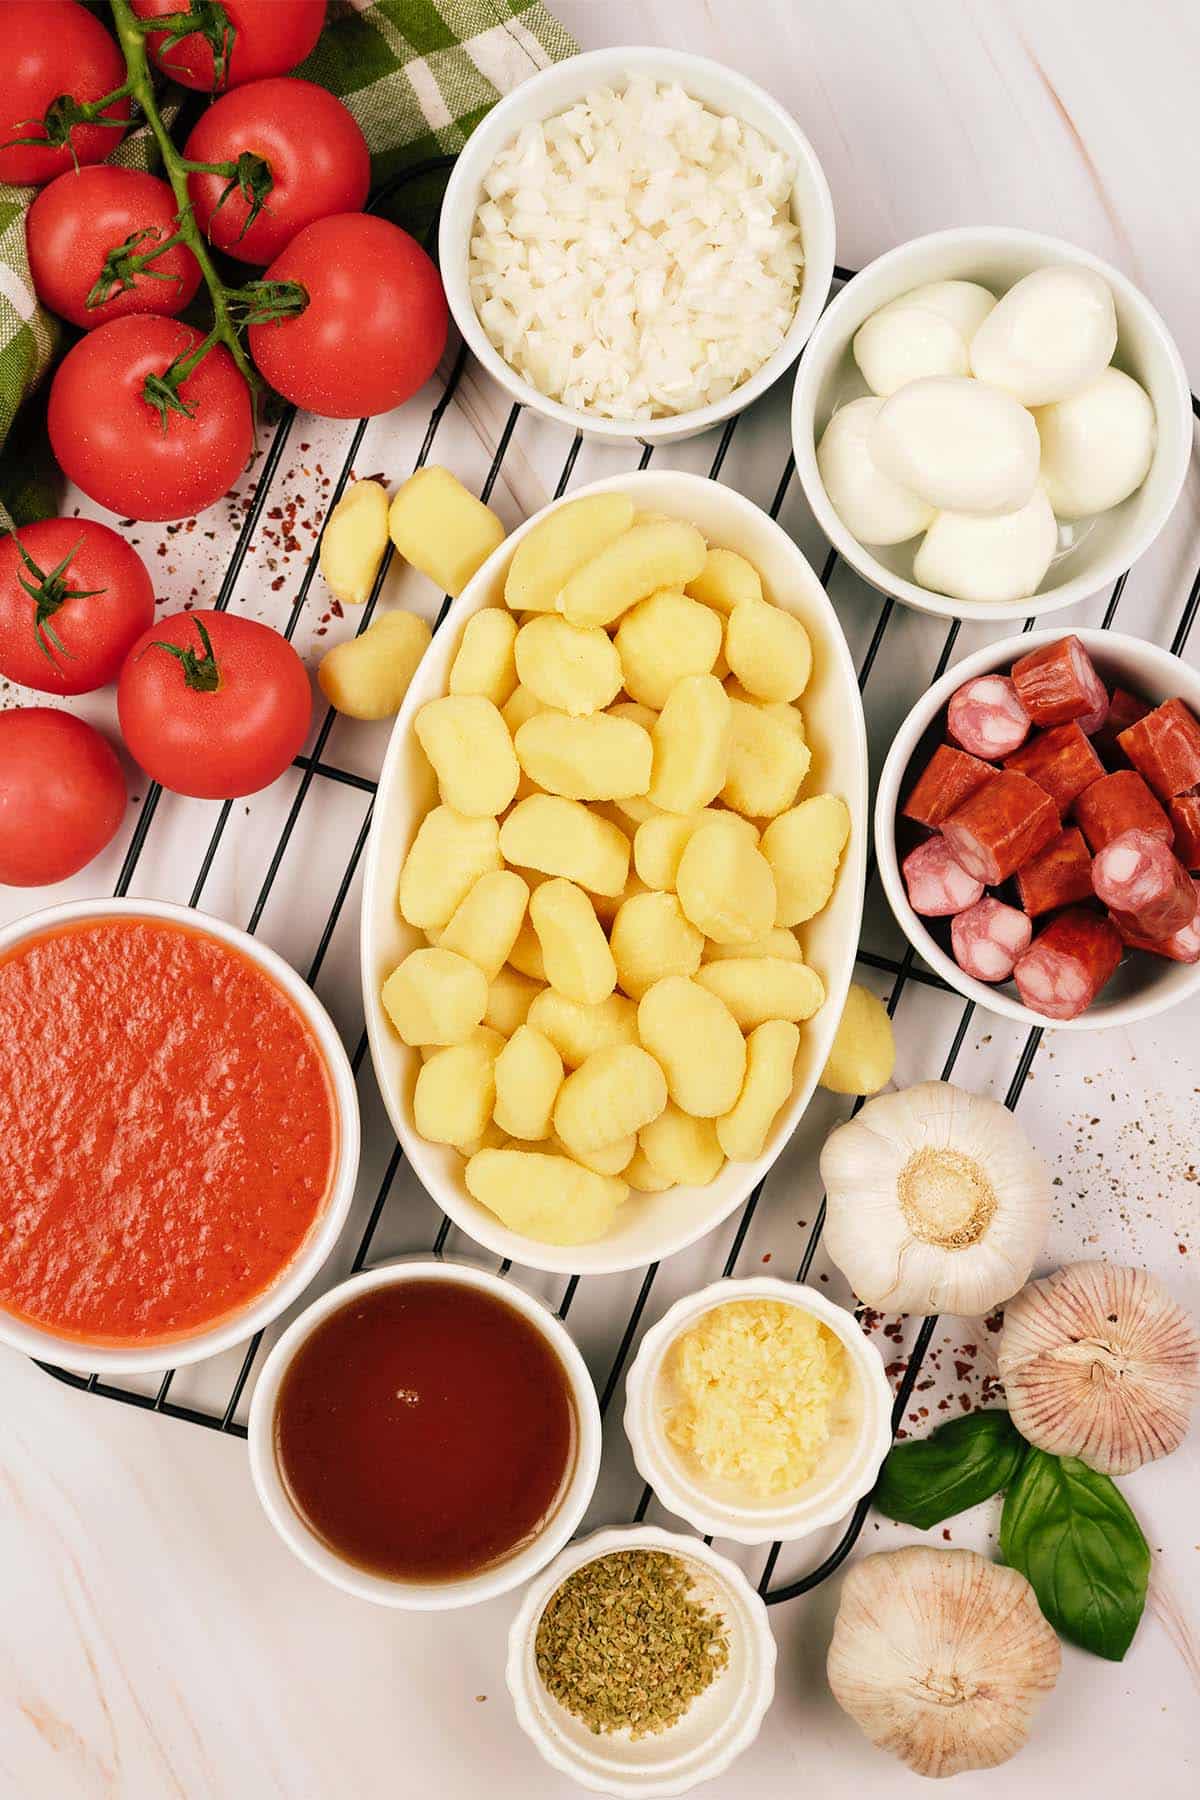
(92, 237)
(62, 795)
(73, 597)
(297, 155)
(56, 55)
(234, 41)
(213, 705)
(134, 443)
(373, 328)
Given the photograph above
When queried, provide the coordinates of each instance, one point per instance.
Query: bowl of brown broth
(425, 1436)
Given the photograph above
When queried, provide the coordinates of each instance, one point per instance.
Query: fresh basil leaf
(955, 1467)
(1071, 1534)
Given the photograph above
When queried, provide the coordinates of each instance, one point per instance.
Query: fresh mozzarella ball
(964, 303)
(873, 508)
(900, 343)
(962, 445)
(989, 559)
(1048, 337)
(1097, 446)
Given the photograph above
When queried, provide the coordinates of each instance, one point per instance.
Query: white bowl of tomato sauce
(179, 1135)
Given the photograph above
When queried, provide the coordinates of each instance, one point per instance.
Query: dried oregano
(624, 1646)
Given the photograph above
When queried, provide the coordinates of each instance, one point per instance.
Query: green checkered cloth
(418, 75)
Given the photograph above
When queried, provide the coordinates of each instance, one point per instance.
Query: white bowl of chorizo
(1037, 826)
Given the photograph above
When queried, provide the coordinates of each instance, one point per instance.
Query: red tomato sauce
(168, 1132)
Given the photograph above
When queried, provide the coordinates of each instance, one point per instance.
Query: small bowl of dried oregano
(641, 1662)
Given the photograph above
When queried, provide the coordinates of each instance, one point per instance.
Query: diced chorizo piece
(1141, 878)
(1068, 963)
(937, 886)
(1165, 748)
(1182, 946)
(949, 777)
(988, 938)
(1062, 761)
(1001, 826)
(1058, 682)
(1120, 802)
(1124, 709)
(986, 717)
(1184, 812)
(1059, 875)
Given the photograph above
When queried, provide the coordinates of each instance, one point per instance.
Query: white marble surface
(155, 1638)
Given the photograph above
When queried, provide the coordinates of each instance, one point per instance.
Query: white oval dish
(417, 1596)
(848, 1470)
(550, 92)
(70, 1353)
(997, 257)
(720, 1724)
(649, 1226)
(1144, 984)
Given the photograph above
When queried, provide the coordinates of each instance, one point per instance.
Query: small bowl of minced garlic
(758, 1410)
(641, 1663)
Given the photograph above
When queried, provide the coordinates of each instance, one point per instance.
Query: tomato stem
(200, 673)
(201, 18)
(49, 589)
(127, 260)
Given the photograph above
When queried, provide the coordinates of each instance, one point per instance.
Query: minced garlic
(755, 1386)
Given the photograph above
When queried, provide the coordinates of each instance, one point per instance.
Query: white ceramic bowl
(434, 1596)
(719, 1725)
(998, 257)
(553, 90)
(861, 1438)
(650, 1226)
(1143, 985)
(70, 1353)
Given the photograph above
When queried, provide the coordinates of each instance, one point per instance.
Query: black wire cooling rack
(314, 770)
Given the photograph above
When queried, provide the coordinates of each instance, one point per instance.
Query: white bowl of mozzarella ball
(991, 424)
(637, 243)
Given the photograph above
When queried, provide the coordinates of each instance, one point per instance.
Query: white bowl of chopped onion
(676, 299)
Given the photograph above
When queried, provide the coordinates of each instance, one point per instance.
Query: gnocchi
(467, 741)
(545, 1196)
(562, 542)
(448, 855)
(486, 662)
(697, 1041)
(767, 762)
(596, 757)
(456, 1092)
(651, 938)
(725, 580)
(573, 668)
(610, 1159)
(509, 998)
(768, 650)
(578, 1031)
(657, 553)
(441, 529)
(575, 951)
(692, 737)
(353, 542)
(528, 1075)
(681, 1148)
(662, 639)
(484, 925)
(771, 1049)
(660, 841)
(804, 847)
(368, 676)
(758, 988)
(435, 996)
(725, 886)
(863, 1057)
(611, 1095)
(561, 837)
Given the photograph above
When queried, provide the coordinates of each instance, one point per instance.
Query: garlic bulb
(937, 1202)
(941, 1657)
(1100, 1363)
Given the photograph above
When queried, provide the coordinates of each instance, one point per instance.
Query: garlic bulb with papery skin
(1100, 1363)
(936, 1201)
(941, 1657)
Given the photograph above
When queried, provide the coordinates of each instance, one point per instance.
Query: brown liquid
(425, 1430)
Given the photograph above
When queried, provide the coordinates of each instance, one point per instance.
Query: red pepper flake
(946, 1533)
(767, 1257)
(278, 583)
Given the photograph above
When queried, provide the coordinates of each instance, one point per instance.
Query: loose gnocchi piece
(767, 762)
(353, 542)
(550, 1198)
(768, 650)
(651, 938)
(757, 988)
(510, 996)
(770, 1059)
(486, 663)
(574, 668)
(692, 737)
(725, 886)
(368, 676)
(660, 841)
(777, 942)
(484, 925)
(610, 1159)
(566, 539)
(725, 580)
(696, 1040)
(467, 741)
(659, 553)
(615, 1092)
(561, 837)
(680, 1148)
(435, 996)
(578, 1031)
(597, 757)
(804, 847)
(863, 1057)
(528, 1075)
(455, 1093)
(642, 1176)
(662, 639)
(441, 529)
(448, 855)
(575, 952)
